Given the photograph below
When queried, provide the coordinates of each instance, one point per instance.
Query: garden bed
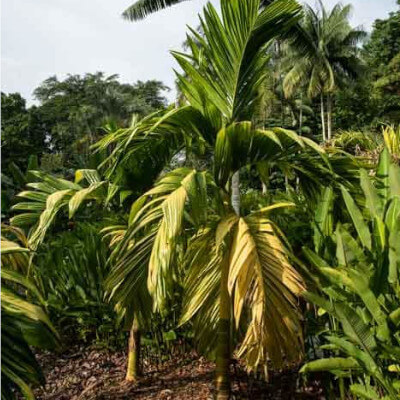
(85, 373)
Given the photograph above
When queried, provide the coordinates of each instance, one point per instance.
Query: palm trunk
(235, 192)
(329, 113)
(223, 355)
(301, 115)
(323, 118)
(133, 370)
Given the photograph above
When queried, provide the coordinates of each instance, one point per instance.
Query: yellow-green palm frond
(24, 321)
(263, 286)
(391, 137)
(154, 234)
(262, 279)
(202, 287)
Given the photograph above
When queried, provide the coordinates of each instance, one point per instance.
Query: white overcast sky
(40, 38)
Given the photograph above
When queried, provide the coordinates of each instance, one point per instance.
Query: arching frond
(144, 149)
(141, 8)
(240, 144)
(228, 65)
(49, 195)
(262, 278)
(151, 240)
(24, 323)
(263, 287)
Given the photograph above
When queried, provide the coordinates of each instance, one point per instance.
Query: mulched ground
(82, 374)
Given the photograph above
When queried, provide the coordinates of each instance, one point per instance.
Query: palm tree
(323, 54)
(236, 271)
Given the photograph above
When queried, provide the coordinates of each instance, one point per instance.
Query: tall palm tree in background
(323, 54)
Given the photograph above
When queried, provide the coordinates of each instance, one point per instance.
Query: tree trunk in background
(133, 371)
(323, 118)
(235, 192)
(301, 115)
(329, 112)
(264, 188)
(223, 355)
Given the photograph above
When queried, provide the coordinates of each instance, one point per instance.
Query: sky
(41, 38)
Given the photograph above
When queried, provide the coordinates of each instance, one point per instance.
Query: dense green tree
(384, 43)
(71, 116)
(355, 107)
(382, 54)
(77, 107)
(22, 131)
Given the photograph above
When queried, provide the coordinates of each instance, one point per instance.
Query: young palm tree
(236, 271)
(323, 53)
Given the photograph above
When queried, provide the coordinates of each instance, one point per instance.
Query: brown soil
(83, 374)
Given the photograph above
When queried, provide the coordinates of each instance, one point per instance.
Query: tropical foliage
(256, 219)
(358, 279)
(24, 320)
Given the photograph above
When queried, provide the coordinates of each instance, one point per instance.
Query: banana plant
(24, 322)
(359, 286)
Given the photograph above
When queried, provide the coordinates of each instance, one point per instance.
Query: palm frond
(24, 324)
(142, 8)
(49, 195)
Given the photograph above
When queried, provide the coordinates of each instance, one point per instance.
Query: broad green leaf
(323, 218)
(357, 218)
(330, 364)
(374, 203)
(382, 173)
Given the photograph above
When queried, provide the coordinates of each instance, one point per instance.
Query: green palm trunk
(329, 109)
(133, 371)
(235, 197)
(323, 118)
(222, 378)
